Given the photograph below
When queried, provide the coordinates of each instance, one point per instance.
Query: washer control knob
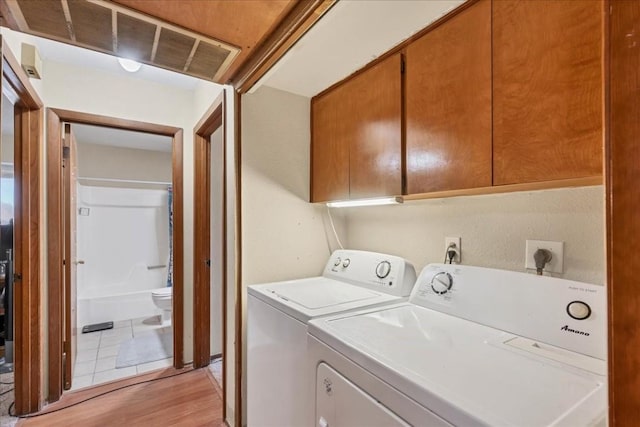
(578, 310)
(441, 282)
(383, 269)
(346, 262)
(337, 262)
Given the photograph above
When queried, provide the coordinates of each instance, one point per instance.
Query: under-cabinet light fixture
(129, 64)
(365, 202)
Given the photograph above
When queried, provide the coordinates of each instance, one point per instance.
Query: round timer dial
(441, 282)
(383, 269)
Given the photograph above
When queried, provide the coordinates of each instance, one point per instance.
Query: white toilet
(162, 298)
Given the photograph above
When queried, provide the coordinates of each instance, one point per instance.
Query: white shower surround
(125, 232)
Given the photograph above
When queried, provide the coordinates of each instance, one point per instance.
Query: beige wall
(103, 161)
(283, 236)
(493, 229)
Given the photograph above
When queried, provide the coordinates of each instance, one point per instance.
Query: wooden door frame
(622, 173)
(55, 119)
(212, 120)
(28, 367)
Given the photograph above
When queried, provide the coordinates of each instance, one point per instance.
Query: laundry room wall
(283, 235)
(493, 229)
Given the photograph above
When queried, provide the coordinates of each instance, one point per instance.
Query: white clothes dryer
(472, 347)
(278, 385)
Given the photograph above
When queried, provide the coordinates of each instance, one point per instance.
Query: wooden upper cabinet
(329, 150)
(357, 136)
(375, 99)
(448, 104)
(547, 90)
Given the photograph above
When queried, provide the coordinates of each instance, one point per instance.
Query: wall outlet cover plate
(458, 242)
(556, 265)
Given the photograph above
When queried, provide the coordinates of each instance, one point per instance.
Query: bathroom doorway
(122, 244)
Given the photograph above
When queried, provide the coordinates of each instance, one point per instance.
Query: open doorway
(121, 233)
(116, 258)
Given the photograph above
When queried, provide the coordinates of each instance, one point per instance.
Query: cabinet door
(357, 134)
(329, 148)
(374, 98)
(448, 104)
(548, 96)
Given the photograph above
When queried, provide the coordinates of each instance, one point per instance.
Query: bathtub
(119, 304)
(123, 241)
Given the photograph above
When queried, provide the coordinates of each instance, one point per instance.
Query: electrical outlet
(458, 248)
(556, 264)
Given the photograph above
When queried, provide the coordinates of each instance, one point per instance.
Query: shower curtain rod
(130, 181)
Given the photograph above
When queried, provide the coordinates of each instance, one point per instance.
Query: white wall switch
(556, 265)
(457, 241)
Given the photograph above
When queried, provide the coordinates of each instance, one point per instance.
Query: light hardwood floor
(189, 399)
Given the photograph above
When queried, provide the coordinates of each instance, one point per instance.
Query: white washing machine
(472, 347)
(278, 385)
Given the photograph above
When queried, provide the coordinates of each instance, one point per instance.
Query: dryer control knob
(578, 310)
(337, 262)
(383, 269)
(441, 282)
(346, 262)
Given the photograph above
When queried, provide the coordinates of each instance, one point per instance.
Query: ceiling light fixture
(366, 202)
(129, 64)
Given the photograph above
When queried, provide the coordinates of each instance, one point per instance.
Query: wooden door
(547, 90)
(329, 148)
(448, 104)
(356, 136)
(69, 166)
(374, 98)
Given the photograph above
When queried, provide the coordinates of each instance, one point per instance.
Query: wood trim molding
(211, 120)
(114, 122)
(55, 229)
(55, 239)
(497, 189)
(298, 21)
(239, 296)
(27, 260)
(622, 172)
(177, 314)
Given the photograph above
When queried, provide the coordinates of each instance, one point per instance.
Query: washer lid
(462, 371)
(305, 299)
(320, 294)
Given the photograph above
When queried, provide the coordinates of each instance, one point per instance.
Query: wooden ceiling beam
(295, 25)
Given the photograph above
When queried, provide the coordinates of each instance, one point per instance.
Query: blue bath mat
(147, 347)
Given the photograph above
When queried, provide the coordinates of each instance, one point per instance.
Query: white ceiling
(67, 54)
(349, 36)
(87, 134)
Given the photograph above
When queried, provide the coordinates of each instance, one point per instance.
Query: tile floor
(97, 352)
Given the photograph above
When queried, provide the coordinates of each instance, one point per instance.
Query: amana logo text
(568, 329)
